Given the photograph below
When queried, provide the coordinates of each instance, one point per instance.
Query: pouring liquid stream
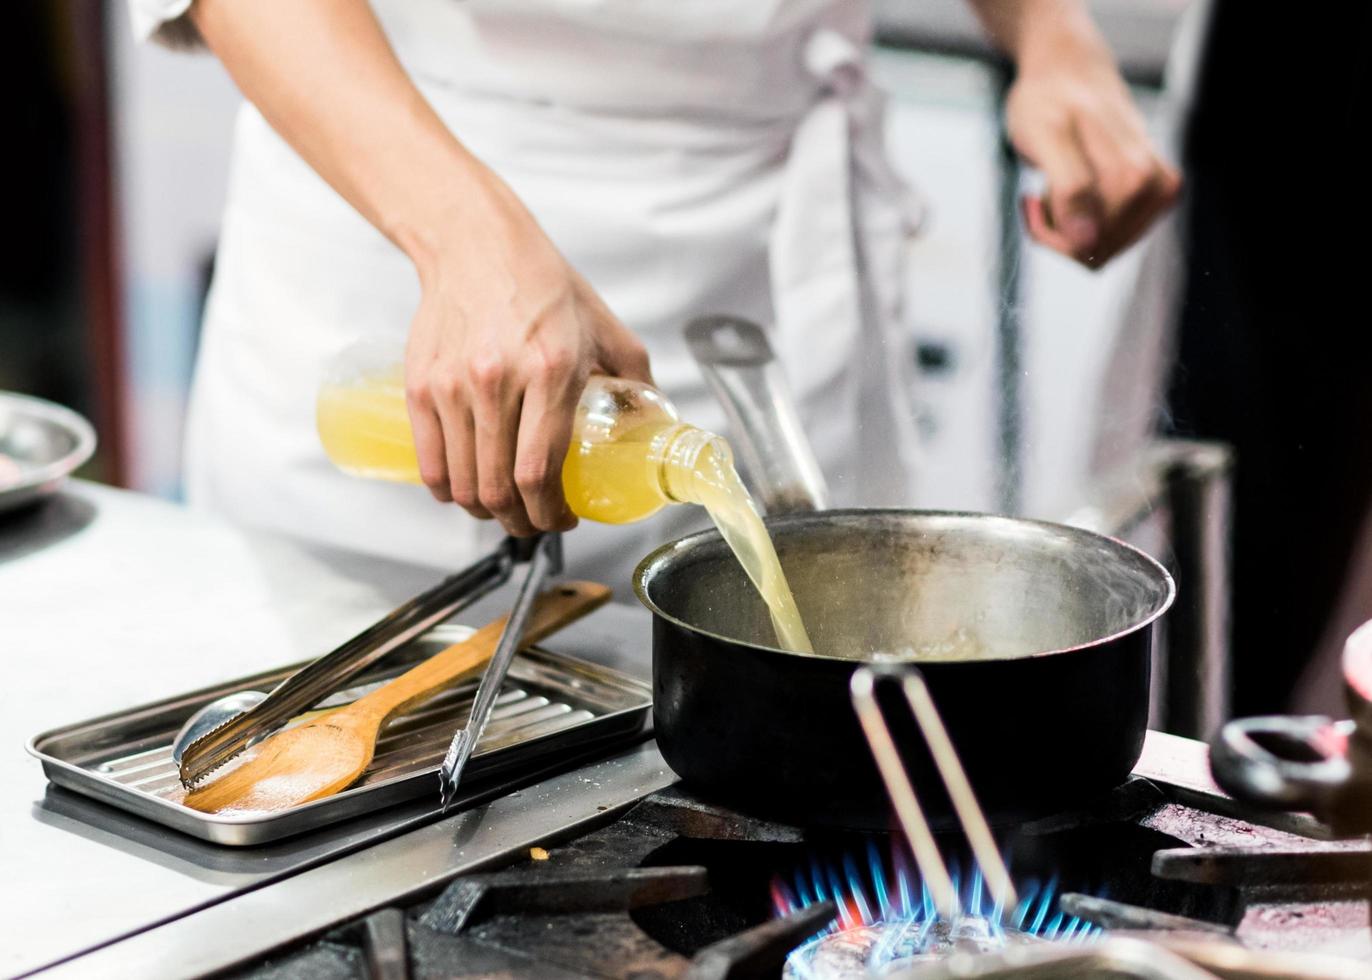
(606, 481)
(720, 491)
(630, 456)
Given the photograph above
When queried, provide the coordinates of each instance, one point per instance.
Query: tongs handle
(403, 624)
(317, 680)
(736, 359)
(545, 561)
(863, 689)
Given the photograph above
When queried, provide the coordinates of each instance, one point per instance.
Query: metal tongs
(545, 560)
(913, 823)
(318, 680)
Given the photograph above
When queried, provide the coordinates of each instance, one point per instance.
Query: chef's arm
(506, 331)
(1070, 114)
(324, 76)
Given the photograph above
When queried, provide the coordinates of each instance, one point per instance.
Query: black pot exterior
(776, 735)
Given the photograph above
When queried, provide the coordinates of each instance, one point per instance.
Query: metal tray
(550, 703)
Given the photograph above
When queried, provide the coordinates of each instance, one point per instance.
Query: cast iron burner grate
(677, 888)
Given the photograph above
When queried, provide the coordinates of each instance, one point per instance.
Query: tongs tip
(450, 773)
(543, 553)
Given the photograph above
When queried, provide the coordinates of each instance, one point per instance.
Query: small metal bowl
(40, 445)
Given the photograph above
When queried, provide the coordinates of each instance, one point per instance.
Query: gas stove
(1162, 877)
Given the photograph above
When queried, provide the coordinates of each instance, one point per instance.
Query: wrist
(1061, 35)
(452, 204)
(427, 240)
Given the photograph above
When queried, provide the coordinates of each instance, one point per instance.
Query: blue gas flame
(871, 890)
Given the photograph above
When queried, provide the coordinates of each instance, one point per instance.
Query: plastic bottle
(630, 453)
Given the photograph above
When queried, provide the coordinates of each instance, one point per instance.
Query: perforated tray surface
(550, 703)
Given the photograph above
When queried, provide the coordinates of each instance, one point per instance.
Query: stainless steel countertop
(244, 927)
(110, 599)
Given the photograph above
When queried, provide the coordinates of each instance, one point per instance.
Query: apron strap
(824, 287)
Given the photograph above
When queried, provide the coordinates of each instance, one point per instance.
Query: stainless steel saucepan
(1034, 640)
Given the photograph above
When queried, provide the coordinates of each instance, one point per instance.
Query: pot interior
(917, 585)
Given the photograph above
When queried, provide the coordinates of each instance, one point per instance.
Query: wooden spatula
(332, 751)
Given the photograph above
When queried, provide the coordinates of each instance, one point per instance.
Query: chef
(522, 192)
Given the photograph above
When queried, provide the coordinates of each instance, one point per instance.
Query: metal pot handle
(1284, 763)
(737, 361)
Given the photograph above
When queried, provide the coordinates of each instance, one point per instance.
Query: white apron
(711, 156)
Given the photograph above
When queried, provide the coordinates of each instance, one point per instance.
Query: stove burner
(876, 949)
(881, 929)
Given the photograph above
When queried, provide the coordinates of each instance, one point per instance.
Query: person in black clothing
(1275, 335)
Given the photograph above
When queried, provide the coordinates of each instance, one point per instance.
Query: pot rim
(658, 556)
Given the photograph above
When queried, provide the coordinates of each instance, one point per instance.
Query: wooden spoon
(329, 753)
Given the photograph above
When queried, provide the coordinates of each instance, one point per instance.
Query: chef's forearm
(324, 76)
(1041, 31)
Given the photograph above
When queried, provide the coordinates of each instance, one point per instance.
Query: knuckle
(1136, 174)
(440, 385)
(532, 475)
(1077, 95)
(637, 356)
(466, 498)
(1068, 181)
(433, 475)
(553, 363)
(1059, 117)
(545, 522)
(418, 393)
(496, 499)
(1166, 182)
(487, 370)
(1137, 182)
(1074, 187)
(448, 386)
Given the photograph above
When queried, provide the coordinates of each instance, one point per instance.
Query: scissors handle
(1284, 763)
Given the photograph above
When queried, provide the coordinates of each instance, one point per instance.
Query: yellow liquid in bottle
(616, 482)
(365, 429)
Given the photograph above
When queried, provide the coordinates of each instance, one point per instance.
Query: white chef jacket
(703, 156)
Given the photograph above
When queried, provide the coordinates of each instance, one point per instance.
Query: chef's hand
(499, 352)
(506, 332)
(1070, 114)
